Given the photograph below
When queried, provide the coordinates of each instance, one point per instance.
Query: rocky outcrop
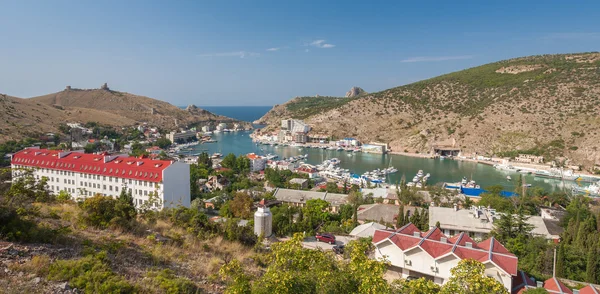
(355, 91)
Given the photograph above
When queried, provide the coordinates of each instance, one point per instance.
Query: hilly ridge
(521, 104)
(21, 118)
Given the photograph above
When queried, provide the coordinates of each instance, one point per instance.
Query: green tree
(242, 164)
(400, 219)
(229, 161)
(355, 199)
(468, 277)
(241, 205)
(315, 213)
(418, 286)
(163, 143)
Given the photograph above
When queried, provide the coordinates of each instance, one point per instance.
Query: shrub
(102, 212)
(91, 274)
(169, 283)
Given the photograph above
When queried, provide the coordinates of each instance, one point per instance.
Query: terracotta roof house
(432, 254)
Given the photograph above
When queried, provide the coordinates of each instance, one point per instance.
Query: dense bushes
(91, 273)
(169, 283)
(102, 212)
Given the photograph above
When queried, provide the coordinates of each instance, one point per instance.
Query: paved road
(311, 242)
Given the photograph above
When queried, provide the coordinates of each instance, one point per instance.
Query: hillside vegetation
(513, 105)
(22, 118)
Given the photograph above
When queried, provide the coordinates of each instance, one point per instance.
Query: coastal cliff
(547, 105)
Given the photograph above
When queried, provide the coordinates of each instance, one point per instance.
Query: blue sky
(264, 53)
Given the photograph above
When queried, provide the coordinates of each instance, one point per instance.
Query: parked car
(410, 278)
(327, 238)
(338, 249)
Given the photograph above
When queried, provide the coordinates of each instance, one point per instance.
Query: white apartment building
(257, 163)
(85, 175)
(183, 136)
(294, 126)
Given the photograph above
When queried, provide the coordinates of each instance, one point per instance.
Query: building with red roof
(257, 162)
(84, 175)
(432, 254)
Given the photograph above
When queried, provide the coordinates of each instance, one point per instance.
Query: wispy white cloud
(436, 58)
(572, 36)
(306, 50)
(240, 54)
(320, 44)
(274, 49)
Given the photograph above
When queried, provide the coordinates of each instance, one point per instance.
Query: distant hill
(530, 104)
(23, 117)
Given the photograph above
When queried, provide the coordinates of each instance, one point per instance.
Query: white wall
(84, 185)
(176, 182)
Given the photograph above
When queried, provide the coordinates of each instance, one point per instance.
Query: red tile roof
(116, 166)
(553, 285)
(589, 289)
(409, 236)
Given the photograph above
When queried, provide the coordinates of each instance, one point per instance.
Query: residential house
(477, 222)
(378, 212)
(432, 254)
(387, 195)
(302, 183)
(217, 182)
(300, 197)
(367, 230)
(309, 170)
(154, 150)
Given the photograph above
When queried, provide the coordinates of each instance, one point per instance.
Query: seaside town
(445, 222)
(370, 148)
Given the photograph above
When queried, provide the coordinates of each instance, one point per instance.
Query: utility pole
(554, 265)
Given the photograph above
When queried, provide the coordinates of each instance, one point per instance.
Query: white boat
(508, 178)
(591, 190)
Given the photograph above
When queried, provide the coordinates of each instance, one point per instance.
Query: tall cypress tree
(560, 261)
(592, 265)
(400, 218)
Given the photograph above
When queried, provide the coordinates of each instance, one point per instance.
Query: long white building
(85, 175)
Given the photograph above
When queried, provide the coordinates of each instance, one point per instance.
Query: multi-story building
(257, 163)
(181, 137)
(432, 254)
(294, 126)
(300, 137)
(85, 175)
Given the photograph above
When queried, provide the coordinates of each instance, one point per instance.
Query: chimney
(139, 163)
(416, 234)
(539, 284)
(444, 240)
(575, 291)
(468, 244)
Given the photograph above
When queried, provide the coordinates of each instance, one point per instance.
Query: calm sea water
(440, 170)
(243, 113)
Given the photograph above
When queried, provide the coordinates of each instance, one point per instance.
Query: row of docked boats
(554, 173)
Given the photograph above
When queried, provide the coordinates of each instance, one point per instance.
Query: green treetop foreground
(295, 269)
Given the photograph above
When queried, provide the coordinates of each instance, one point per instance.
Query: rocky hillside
(130, 106)
(22, 117)
(532, 104)
(354, 92)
